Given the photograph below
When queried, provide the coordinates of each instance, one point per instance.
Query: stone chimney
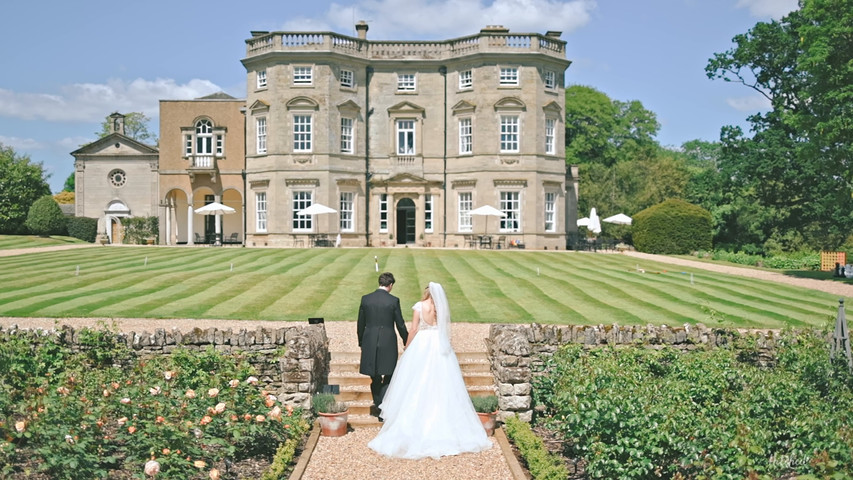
(361, 28)
(117, 123)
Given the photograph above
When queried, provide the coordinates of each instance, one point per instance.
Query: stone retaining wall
(516, 350)
(292, 362)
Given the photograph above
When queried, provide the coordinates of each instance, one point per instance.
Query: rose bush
(73, 420)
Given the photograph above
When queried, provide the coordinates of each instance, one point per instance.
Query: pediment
(464, 106)
(115, 144)
(349, 106)
(510, 103)
(259, 106)
(552, 107)
(404, 180)
(405, 108)
(302, 103)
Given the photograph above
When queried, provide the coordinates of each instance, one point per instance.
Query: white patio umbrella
(594, 223)
(583, 222)
(316, 209)
(486, 211)
(216, 208)
(619, 219)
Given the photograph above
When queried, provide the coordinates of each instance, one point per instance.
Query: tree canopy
(22, 182)
(789, 186)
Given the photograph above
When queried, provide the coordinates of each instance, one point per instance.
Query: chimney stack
(361, 28)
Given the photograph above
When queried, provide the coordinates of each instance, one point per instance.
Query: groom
(378, 313)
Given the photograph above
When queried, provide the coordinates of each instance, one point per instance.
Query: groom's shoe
(374, 411)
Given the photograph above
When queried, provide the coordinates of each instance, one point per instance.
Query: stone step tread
(471, 378)
(350, 357)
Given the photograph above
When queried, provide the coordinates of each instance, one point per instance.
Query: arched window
(204, 137)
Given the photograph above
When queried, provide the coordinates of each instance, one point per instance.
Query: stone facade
(202, 155)
(292, 362)
(516, 351)
(405, 138)
(115, 177)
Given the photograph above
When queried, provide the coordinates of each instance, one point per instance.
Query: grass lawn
(8, 242)
(482, 286)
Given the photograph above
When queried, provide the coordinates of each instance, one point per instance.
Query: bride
(427, 410)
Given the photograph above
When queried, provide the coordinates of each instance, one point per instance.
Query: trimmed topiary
(672, 227)
(45, 218)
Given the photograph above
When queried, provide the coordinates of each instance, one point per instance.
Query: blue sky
(67, 65)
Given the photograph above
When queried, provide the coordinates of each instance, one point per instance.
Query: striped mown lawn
(33, 241)
(482, 286)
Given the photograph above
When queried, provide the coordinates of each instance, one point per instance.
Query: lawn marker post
(376, 263)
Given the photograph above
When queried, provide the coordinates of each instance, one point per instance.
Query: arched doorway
(112, 219)
(405, 221)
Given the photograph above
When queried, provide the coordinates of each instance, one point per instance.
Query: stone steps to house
(354, 388)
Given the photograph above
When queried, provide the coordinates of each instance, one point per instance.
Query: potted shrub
(332, 414)
(487, 409)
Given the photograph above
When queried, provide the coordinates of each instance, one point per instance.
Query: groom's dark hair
(386, 279)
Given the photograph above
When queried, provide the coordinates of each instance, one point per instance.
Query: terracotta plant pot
(333, 424)
(488, 420)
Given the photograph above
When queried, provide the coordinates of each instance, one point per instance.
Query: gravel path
(349, 457)
(841, 289)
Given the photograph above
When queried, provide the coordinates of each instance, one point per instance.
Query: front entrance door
(116, 230)
(405, 221)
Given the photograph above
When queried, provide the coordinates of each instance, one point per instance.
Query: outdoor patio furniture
(485, 241)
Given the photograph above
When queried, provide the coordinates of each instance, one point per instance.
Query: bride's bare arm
(414, 329)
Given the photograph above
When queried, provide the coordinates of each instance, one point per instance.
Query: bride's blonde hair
(426, 294)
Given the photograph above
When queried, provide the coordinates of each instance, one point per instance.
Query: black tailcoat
(378, 313)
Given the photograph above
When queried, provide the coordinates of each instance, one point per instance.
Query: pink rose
(152, 468)
(213, 392)
(190, 394)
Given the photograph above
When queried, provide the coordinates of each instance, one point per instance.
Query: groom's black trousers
(378, 386)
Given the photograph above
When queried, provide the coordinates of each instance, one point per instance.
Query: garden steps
(354, 388)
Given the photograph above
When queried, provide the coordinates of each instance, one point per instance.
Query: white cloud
(21, 144)
(775, 9)
(443, 19)
(92, 102)
(749, 104)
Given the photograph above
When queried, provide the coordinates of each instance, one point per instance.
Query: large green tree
(789, 185)
(622, 167)
(22, 182)
(135, 127)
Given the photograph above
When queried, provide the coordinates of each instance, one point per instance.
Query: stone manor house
(402, 138)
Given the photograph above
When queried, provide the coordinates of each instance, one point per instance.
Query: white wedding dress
(427, 410)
